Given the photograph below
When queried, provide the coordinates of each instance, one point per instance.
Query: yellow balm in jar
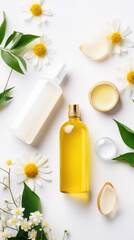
(104, 96)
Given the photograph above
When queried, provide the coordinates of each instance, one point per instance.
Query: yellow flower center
(36, 10)
(31, 170)
(40, 50)
(4, 235)
(25, 225)
(130, 77)
(47, 224)
(9, 162)
(33, 235)
(116, 37)
(17, 211)
(37, 215)
(14, 221)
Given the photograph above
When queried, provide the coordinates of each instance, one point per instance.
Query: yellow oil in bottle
(74, 154)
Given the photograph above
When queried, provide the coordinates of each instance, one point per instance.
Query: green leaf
(22, 60)
(30, 201)
(4, 96)
(127, 134)
(11, 37)
(127, 158)
(3, 28)
(133, 100)
(23, 41)
(11, 61)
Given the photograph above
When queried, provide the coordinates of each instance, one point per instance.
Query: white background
(73, 23)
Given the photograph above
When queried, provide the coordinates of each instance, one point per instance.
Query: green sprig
(4, 96)
(127, 136)
(11, 55)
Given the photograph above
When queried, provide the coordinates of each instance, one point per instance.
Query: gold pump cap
(74, 111)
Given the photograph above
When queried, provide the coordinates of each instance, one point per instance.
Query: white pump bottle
(38, 106)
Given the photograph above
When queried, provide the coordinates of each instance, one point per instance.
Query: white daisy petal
(28, 16)
(126, 76)
(129, 89)
(42, 161)
(127, 43)
(116, 25)
(116, 49)
(32, 170)
(117, 33)
(43, 19)
(39, 65)
(38, 181)
(125, 31)
(46, 61)
(34, 60)
(123, 49)
(47, 12)
(30, 183)
(37, 158)
(38, 52)
(21, 179)
(29, 55)
(42, 170)
(39, 14)
(33, 156)
(46, 178)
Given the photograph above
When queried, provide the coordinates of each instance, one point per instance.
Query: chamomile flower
(32, 234)
(47, 224)
(37, 10)
(18, 212)
(38, 52)
(32, 170)
(14, 222)
(4, 235)
(25, 225)
(36, 217)
(9, 162)
(126, 76)
(3, 220)
(118, 34)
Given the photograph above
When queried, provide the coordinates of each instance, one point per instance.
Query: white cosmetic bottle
(38, 106)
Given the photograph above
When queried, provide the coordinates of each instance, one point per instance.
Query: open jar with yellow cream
(103, 96)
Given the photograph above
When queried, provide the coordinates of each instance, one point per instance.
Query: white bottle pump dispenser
(38, 106)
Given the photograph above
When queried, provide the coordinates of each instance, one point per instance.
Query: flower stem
(11, 228)
(10, 189)
(4, 184)
(65, 236)
(4, 170)
(8, 80)
(5, 211)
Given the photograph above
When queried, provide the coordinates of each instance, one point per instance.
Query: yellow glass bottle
(74, 154)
